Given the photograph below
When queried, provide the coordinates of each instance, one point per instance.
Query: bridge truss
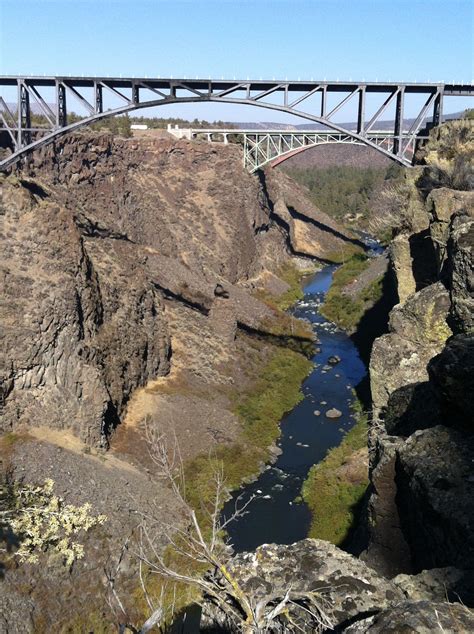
(263, 147)
(316, 101)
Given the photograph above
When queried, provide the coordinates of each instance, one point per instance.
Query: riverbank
(306, 431)
(335, 487)
(358, 301)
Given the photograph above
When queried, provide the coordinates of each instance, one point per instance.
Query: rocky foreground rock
(351, 596)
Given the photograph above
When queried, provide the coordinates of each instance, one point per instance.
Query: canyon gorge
(149, 287)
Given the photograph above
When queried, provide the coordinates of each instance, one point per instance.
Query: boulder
(422, 319)
(461, 274)
(439, 584)
(422, 617)
(344, 585)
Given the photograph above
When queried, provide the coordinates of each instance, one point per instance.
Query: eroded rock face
(112, 246)
(443, 204)
(423, 617)
(434, 496)
(461, 273)
(81, 325)
(388, 551)
(421, 376)
(418, 331)
(347, 586)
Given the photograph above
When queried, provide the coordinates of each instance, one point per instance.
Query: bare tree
(200, 542)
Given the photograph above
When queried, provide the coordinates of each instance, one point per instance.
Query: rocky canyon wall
(421, 510)
(106, 241)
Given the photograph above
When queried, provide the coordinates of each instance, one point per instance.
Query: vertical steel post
(361, 111)
(323, 102)
(24, 115)
(438, 109)
(61, 110)
(98, 98)
(135, 93)
(398, 128)
(18, 115)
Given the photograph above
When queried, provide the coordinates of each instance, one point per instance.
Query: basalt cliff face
(421, 508)
(110, 247)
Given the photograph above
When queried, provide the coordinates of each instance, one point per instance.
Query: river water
(274, 516)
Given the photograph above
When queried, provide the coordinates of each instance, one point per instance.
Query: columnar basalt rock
(418, 331)
(460, 273)
(421, 380)
(442, 204)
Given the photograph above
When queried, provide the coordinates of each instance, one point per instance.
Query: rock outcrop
(422, 452)
(350, 596)
(422, 617)
(344, 585)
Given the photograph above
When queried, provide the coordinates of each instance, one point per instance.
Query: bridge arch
(58, 133)
(255, 93)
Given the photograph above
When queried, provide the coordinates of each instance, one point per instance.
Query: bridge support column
(438, 110)
(361, 111)
(61, 111)
(398, 129)
(323, 102)
(135, 93)
(24, 116)
(99, 101)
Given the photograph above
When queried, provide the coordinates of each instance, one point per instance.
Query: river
(274, 516)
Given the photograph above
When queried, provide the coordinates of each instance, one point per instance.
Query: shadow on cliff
(296, 215)
(373, 324)
(423, 256)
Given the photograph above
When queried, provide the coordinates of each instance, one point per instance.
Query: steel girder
(128, 94)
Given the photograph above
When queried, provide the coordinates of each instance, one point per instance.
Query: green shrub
(333, 493)
(347, 311)
(342, 190)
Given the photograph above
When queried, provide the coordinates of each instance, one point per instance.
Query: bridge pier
(24, 116)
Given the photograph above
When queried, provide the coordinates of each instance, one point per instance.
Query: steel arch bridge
(271, 147)
(127, 94)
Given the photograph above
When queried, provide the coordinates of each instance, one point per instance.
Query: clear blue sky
(360, 39)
